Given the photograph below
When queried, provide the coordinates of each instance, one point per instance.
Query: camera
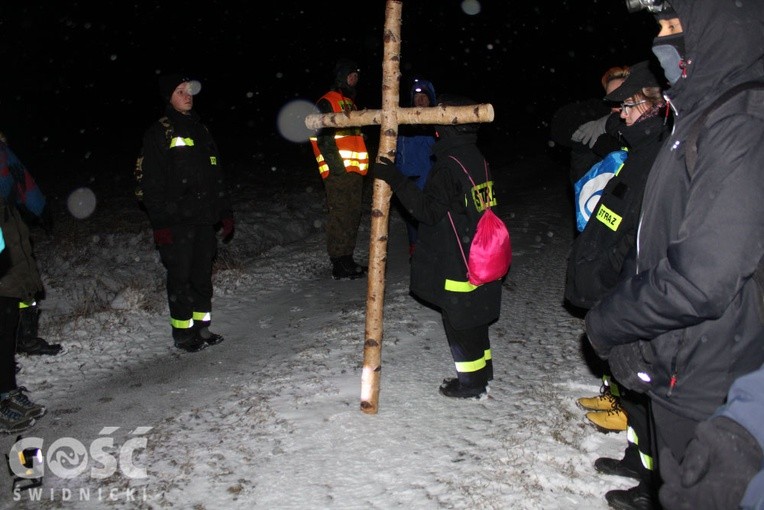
(651, 5)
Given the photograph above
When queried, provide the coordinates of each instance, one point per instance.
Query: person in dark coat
(438, 272)
(19, 281)
(19, 189)
(724, 464)
(687, 322)
(186, 197)
(603, 253)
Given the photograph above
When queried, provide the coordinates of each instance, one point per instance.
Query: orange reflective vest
(349, 140)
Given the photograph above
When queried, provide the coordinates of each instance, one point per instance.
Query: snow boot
(346, 268)
(203, 331)
(27, 341)
(629, 466)
(608, 421)
(454, 389)
(636, 498)
(187, 340)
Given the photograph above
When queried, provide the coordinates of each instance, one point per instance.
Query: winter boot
(203, 332)
(346, 268)
(614, 420)
(454, 389)
(27, 341)
(187, 340)
(11, 421)
(629, 466)
(605, 401)
(19, 402)
(640, 497)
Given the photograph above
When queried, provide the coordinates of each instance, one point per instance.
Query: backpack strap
(459, 242)
(691, 145)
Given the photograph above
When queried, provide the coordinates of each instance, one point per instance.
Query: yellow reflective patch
(608, 218)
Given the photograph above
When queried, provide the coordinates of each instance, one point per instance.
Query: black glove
(630, 368)
(719, 462)
(386, 170)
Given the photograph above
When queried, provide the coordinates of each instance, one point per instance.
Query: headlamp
(653, 6)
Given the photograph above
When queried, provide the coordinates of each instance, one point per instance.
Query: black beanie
(169, 82)
(342, 69)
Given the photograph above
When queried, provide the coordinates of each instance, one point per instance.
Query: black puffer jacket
(693, 299)
(437, 256)
(184, 184)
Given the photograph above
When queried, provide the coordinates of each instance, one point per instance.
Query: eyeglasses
(625, 106)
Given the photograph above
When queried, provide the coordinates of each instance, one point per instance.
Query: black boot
(187, 340)
(629, 466)
(641, 497)
(27, 341)
(203, 331)
(346, 268)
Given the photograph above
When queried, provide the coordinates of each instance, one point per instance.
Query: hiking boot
(11, 421)
(37, 346)
(615, 467)
(604, 402)
(636, 498)
(194, 344)
(19, 402)
(209, 337)
(608, 421)
(27, 341)
(453, 388)
(346, 268)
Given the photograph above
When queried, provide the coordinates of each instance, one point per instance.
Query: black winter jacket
(692, 299)
(598, 254)
(437, 257)
(183, 180)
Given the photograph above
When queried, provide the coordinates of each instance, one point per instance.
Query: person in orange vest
(343, 161)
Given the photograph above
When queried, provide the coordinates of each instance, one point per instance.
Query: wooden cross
(389, 117)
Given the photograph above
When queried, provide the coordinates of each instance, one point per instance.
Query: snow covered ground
(270, 418)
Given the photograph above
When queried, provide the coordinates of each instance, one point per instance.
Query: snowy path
(271, 418)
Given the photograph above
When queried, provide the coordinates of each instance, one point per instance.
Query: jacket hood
(425, 87)
(724, 46)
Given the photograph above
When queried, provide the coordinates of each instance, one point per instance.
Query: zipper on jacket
(672, 381)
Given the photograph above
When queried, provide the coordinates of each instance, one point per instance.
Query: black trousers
(471, 350)
(188, 261)
(344, 194)
(9, 323)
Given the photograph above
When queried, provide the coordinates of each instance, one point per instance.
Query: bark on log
(380, 209)
(442, 115)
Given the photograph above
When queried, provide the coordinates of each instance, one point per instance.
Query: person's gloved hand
(588, 132)
(386, 170)
(719, 462)
(163, 236)
(629, 367)
(227, 229)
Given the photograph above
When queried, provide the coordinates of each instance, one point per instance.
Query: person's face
(669, 27)
(632, 109)
(353, 79)
(181, 98)
(421, 99)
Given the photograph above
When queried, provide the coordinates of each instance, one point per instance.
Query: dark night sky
(79, 77)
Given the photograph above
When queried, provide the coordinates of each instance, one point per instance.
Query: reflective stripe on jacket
(349, 141)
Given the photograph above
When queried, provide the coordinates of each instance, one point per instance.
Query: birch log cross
(388, 118)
